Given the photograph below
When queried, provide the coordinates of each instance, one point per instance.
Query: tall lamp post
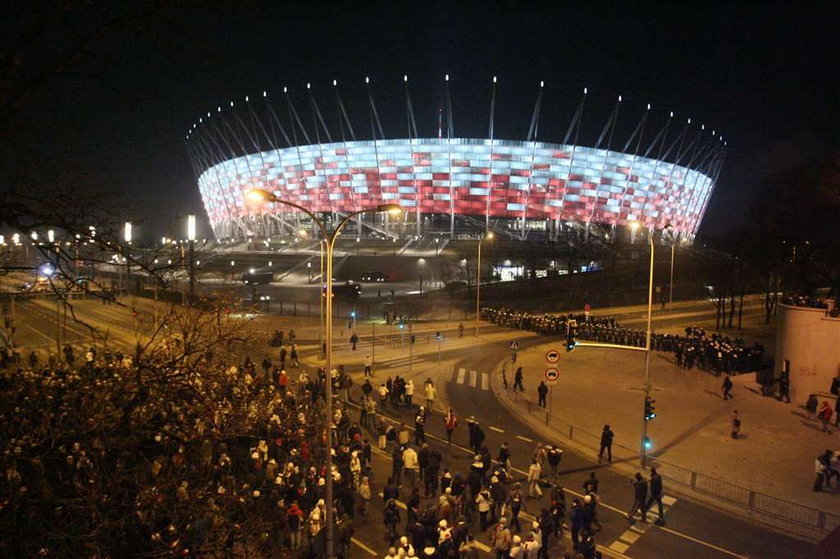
(191, 239)
(489, 236)
(259, 195)
(671, 280)
(127, 233)
(643, 448)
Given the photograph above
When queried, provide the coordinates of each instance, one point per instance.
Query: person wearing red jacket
(450, 422)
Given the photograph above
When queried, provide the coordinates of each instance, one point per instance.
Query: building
(448, 185)
(808, 347)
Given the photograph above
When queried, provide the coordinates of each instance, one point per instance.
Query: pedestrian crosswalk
(637, 529)
(402, 362)
(471, 377)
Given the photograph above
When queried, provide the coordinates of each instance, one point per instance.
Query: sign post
(551, 374)
(586, 311)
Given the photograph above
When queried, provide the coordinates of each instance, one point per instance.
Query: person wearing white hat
(517, 551)
(405, 548)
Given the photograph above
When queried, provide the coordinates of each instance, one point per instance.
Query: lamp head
(490, 236)
(258, 195)
(393, 209)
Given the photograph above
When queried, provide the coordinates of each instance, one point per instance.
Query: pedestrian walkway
(770, 465)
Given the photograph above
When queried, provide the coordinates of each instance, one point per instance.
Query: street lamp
(191, 239)
(634, 226)
(489, 236)
(643, 448)
(262, 196)
(421, 263)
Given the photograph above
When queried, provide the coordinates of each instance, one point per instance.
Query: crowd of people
(714, 353)
(161, 452)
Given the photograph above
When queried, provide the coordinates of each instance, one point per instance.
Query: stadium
(447, 185)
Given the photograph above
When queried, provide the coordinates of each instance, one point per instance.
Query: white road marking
(496, 429)
(473, 376)
(364, 547)
(485, 381)
(618, 546)
(526, 439)
(461, 374)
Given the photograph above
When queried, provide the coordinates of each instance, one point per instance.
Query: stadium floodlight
(648, 108)
(542, 83)
(51, 235)
(335, 83)
(585, 90)
(405, 77)
(127, 230)
(446, 77)
(494, 79)
(619, 98)
(367, 79)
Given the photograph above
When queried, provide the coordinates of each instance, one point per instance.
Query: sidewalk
(691, 433)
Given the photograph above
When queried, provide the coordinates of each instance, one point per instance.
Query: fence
(740, 497)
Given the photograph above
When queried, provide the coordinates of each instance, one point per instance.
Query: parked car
(375, 277)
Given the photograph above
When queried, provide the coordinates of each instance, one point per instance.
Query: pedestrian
(383, 395)
(515, 503)
(822, 467)
(460, 329)
(391, 517)
(811, 406)
(368, 365)
(542, 392)
(534, 474)
(483, 503)
(576, 517)
(824, 415)
(410, 465)
(607, 437)
(420, 427)
(450, 422)
(640, 488)
(655, 495)
(517, 380)
(727, 388)
(590, 485)
(784, 387)
(504, 456)
(501, 540)
(354, 339)
(409, 392)
(736, 424)
(554, 456)
(365, 493)
(431, 394)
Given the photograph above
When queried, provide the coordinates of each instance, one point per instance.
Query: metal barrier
(753, 501)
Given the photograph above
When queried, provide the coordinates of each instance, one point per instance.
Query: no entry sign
(551, 374)
(552, 356)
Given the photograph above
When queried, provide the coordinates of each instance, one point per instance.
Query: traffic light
(571, 342)
(650, 410)
(352, 314)
(412, 338)
(437, 335)
(647, 443)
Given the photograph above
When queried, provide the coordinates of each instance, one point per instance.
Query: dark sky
(763, 76)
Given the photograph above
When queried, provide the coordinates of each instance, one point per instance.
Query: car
(350, 291)
(375, 277)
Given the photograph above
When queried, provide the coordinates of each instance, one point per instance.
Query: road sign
(551, 374)
(552, 356)
(513, 345)
(587, 308)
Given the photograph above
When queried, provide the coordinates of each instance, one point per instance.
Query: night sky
(763, 76)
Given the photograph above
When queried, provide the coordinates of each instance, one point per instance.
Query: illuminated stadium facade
(447, 185)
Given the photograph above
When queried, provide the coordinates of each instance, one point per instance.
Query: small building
(808, 348)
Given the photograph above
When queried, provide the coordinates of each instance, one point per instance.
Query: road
(692, 530)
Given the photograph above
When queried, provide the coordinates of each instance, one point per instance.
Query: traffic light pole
(648, 388)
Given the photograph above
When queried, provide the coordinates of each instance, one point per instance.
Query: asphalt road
(692, 529)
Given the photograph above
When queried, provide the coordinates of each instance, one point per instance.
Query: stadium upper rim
(448, 182)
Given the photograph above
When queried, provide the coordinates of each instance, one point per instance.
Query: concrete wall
(810, 340)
